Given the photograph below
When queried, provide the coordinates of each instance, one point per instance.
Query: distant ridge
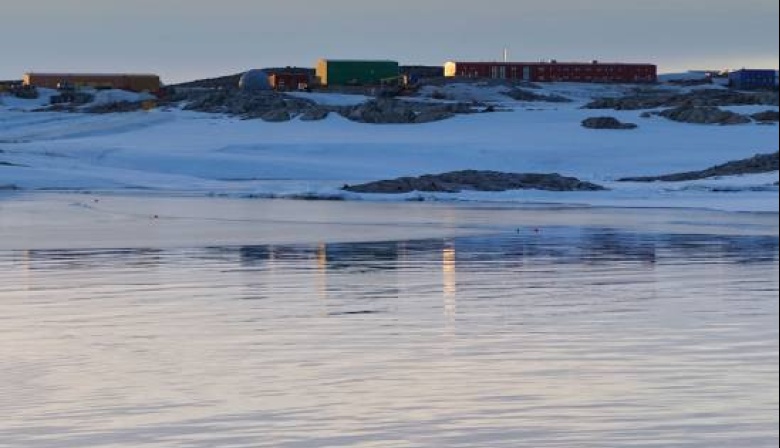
(212, 83)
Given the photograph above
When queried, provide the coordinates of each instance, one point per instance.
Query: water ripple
(574, 337)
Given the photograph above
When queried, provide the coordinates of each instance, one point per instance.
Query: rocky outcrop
(389, 111)
(277, 107)
(653, 99)
(760, 163)
(114, 107)
(265, 105)
(704, 115)
(768, 116)
(314, 114)
(381, 111)
(276, 116)
(474, 180)
(606, 123)
(526, 95)
(431, 115)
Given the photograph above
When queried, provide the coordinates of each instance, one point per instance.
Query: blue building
(747, 79)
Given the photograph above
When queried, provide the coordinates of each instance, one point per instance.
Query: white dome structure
(254, 81)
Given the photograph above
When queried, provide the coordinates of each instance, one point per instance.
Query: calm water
(570, 337)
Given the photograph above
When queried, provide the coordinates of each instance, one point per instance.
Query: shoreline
(73, 221)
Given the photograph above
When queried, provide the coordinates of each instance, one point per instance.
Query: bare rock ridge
(276, 107)
(760, 163)
(267, 105)
(398, 111)
(655, 98)
(697, 107)
(704, 115)
(473, 180)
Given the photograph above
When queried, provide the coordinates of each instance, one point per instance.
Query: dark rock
(704, 115)
(4, 163)
(314, 114)
(760, 163)
(8, 187)
(525, 95)
(274, 106)
(119, 106)
(606, 123)
(72, 97)
(439, 95)
(245, 104)
(768, 116)
(393, 111)
(388, 92)
(382, 111)
(653, 99)
(25, 92)
(432, 115)
(276, 116)
(457, 181)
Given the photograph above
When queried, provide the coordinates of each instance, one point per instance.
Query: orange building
(124, 81)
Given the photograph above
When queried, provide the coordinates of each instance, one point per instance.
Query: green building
(333, 72)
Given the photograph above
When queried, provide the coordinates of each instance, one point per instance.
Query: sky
(189, 39)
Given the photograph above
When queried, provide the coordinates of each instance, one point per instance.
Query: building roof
(359, 60)
(91, 75)
(554, 63)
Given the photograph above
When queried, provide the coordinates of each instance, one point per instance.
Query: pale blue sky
(186, 39)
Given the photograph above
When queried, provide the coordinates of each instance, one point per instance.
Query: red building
(286, 81)
(555, 71)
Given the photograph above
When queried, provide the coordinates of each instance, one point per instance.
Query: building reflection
(321, 261)
(449, 281)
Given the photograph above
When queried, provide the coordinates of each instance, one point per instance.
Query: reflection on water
(566, 337)
(450, 281)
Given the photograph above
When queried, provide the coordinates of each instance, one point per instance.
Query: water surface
(562, 337)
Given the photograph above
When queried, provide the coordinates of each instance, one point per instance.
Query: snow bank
(10, 102)
(169, 151)
(331, 99)
(116, 96)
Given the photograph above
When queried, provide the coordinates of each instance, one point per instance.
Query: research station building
(749, 79)
(353, 72)
(554, 71)
(123, 81)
